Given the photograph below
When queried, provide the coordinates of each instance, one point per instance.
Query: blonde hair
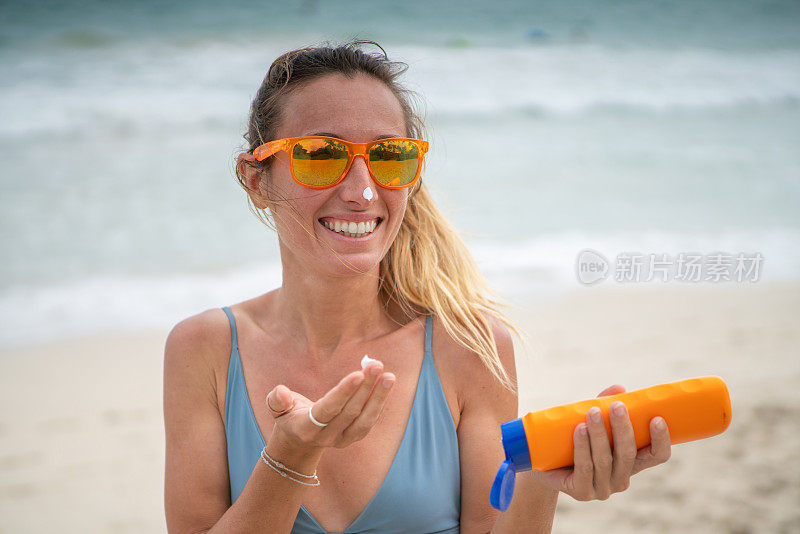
(427, 269)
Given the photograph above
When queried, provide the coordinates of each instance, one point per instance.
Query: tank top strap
(428, 374)
(235, 373)
(430, 394)
(232, 321)
(428, 337)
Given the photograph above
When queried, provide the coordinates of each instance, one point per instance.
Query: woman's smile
(352, 227)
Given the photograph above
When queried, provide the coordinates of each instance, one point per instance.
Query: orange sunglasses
(319, 162)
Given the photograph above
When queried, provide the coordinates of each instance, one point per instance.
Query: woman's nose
(356, 180)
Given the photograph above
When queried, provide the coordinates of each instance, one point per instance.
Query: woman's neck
(323, 313)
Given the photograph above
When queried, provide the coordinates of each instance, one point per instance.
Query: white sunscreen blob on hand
(368, 193)
(365, 361)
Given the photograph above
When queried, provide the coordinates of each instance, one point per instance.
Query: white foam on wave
(35, 314)
(149, 86)
(573, 79)
(137, 88)
(515, 270)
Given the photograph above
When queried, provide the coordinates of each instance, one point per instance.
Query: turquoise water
(657, 127)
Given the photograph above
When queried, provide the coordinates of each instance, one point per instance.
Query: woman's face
(358, 109)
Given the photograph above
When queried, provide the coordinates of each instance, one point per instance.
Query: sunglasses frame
(354, 150)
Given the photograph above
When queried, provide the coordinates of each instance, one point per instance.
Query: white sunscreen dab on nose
(368, 193)
(365, 361)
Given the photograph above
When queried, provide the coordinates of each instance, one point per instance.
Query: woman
(271, 423)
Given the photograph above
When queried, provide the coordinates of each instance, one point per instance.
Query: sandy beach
(81, 433)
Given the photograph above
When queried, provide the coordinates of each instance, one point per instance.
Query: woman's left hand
(598, 471)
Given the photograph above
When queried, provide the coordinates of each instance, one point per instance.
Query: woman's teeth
(352, 229)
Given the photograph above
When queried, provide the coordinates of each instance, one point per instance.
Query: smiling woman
(273, 423)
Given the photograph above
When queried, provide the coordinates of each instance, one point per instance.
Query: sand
(81, 432)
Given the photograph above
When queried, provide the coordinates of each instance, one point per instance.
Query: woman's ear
(250, 175)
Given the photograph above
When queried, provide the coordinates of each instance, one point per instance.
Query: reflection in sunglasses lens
(394, 163)
(318, 161)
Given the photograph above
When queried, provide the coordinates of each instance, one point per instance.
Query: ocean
(651, 127)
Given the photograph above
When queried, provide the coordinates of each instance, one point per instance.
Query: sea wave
(148, 87)
(576, 79)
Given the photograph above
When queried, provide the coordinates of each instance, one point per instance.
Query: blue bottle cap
(503, 487)
(518, 458)
(515, 444)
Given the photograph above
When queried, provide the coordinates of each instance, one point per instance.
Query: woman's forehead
(357, 109)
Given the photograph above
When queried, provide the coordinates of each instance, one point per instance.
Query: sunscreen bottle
(693, 409)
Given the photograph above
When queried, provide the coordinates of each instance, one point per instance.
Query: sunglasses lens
(318, 162)
(394, 163)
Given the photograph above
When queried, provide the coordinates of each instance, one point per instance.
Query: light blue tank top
(422, 490)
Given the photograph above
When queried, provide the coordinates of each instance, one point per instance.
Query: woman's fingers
(371, 411)
(334, 401)
(597, 471)
(624, 447)
(581, 484)
(278, 401)
(355, 404)
(361, 410)
(601, 453)
(659, 449)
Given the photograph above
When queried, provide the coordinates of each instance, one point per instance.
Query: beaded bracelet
(284, 471)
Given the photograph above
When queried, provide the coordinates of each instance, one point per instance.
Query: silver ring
(311, 416)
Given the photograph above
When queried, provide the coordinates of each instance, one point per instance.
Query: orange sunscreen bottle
(693, 409)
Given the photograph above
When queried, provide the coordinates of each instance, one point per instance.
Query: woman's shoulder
(462, 371)
(201, 332)
(467, 361)
(200, 345)
(207, 337)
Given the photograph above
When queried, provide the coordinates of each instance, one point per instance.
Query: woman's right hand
(350, 409)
